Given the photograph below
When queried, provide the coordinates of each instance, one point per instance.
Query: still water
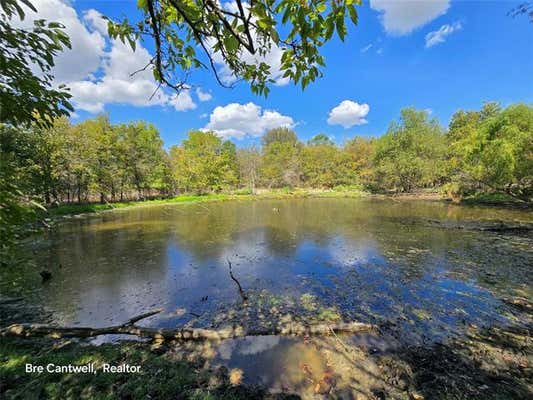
(423, 267)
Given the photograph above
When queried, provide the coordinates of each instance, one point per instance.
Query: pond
(426, 269)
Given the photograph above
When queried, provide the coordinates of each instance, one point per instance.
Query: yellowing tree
(204, 163)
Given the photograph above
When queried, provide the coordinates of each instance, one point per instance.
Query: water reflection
(311, 367)
(371, 260)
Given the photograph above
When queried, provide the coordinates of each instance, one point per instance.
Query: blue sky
(476, 53)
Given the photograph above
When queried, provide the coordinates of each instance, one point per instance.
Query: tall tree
(321, 162)
(280, 135)
(204, 163)
(141, 146)
(320, 139)
(281, 164)
(411, 154)
(358, 155)
(492, 150)
(249, 160)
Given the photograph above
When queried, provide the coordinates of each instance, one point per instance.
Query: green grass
(352, 191)
(498, 199)
(67, 209)
(162, 376)
(72, 209)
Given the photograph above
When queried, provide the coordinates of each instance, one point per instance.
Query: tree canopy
(484, 151)
(409, 154)
(283, 134)
(28, 95)
(493, 148)
(204, 162)
(190, 34)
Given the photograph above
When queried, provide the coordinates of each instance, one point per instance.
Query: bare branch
(143, 68)
(241, 291)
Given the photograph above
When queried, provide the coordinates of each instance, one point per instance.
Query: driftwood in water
(241, 291)
(520, 303)
(179, 334)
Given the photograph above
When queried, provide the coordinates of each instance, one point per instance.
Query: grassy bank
(162, 375)
(490, 365)
(343, 192)
(71, 209)
(66, 209)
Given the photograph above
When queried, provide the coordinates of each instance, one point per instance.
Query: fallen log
(181, 334)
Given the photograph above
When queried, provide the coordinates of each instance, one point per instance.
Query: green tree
(281, 162)
(411, 154)
(320, 139)
(141, 154)
(321, 163)
(282, 134)
(15, 207)
(249, 160)
(49, 160)
(37, 157)
(204, 163)
(492, 151)
(81, 154)
(358, 155)
(238, 33)
(100, 155)
(27, 95)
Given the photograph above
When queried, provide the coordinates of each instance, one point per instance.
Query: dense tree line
(89, 161)
(490, 150)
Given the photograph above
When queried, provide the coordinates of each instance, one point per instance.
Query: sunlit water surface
(401, 264)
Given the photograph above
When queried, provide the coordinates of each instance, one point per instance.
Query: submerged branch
(241, 291)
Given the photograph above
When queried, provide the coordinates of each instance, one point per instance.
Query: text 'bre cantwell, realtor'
(90, 368)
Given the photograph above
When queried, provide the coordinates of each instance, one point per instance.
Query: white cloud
(439, 36)
(93, 96)
(88, 47)
(182, 101)
(117, 85)
(96, 21)
(239, 120)
(366, 48)
(203, 96)
(400, 17)
(98, 69)
(348, 113)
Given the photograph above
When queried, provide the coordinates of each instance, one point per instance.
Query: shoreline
(167, 370)
(74, 209)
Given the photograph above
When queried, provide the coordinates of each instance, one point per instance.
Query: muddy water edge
(448, 287)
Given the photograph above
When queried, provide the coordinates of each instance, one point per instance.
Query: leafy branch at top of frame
(192, 34)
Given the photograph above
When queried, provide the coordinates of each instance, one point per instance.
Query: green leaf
(353, 14)
(231, 43)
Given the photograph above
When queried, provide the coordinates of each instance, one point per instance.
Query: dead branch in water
(241, 291)
(180, 334)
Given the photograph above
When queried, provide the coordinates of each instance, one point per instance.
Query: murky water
(405, 265)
